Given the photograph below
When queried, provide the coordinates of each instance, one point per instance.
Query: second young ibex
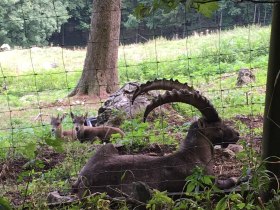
(87, 133)
(57, 129)
(107, 171)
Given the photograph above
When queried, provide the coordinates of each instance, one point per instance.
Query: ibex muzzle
(107, 171)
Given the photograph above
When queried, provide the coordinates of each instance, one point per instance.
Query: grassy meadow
(38, 80)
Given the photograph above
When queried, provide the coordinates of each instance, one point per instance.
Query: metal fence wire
(37, 79)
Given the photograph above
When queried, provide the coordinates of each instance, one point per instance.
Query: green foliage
(274, 203)
(198, 180)
(160, 200)
(235, 201)
(28, 23)
(80, 12)
(99, 201)
(137, 136)
(177, 15)
(148, 8)
(207, 9)
(4, 204)
(199, 190)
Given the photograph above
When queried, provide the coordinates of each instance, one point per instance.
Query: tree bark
(264, 18)
(271, 134)
(255, 13)
(100, 73)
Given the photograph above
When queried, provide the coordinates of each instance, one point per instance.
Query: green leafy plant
(235, 201)
(160, 200)
(4, 204)
(137, 134)
(199, 189)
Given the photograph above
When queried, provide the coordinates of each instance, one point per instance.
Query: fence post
(271, 128)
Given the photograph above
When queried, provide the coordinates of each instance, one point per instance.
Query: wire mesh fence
(226, 63)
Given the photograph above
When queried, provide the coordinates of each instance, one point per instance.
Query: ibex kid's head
(56, 123)
(78, 121)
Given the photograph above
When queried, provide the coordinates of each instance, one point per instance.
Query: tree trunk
(271, 131)
(255, 13)
(259, 15)
(264, 18)
(221, 21)
(100, 75)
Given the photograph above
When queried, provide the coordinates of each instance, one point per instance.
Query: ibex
(107, 171)
(87, 133)
(57, 129)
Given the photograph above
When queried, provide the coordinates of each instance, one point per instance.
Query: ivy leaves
(203, 6)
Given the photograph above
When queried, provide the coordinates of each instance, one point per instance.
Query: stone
(118, 105)
(245, 76)
(5, 47)
(236, 148)
(55, 197)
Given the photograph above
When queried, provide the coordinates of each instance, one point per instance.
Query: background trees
(25, 23)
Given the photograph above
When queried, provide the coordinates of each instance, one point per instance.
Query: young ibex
(87, 133)
(107, 171)
(57, 129)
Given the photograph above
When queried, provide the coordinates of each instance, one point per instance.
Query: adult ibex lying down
(87, 133)
(107, 171)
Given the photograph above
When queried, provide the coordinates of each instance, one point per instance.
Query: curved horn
(189, 97)
(162, 84)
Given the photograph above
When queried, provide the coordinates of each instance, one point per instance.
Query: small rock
(235, 148)
(245, 76)
(228, 153)
(5, 47)
(120, 101)
(55, 197)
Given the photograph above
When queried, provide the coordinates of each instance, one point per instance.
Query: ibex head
(210, 126)
(78, 121)
(56, 122)
(217, 132)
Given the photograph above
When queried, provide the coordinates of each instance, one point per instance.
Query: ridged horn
(161, 84)
(185, 96)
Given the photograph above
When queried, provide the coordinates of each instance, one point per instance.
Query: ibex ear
(72, 115)
(63, 116)
(201, 123)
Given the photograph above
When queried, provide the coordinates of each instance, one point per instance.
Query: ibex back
(107, 171)
(87, 133)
